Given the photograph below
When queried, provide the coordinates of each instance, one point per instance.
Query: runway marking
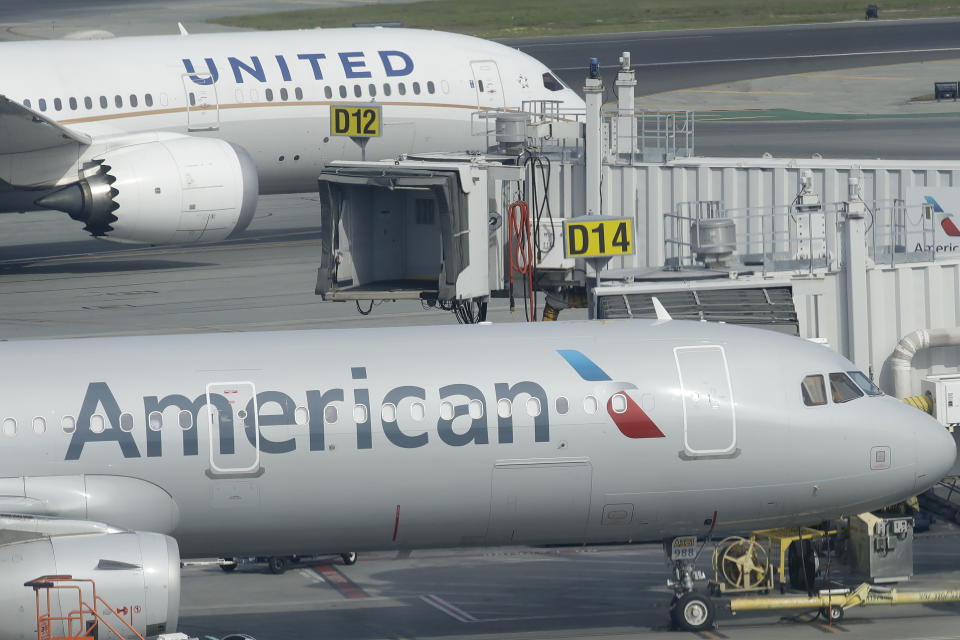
(806, 56)
(841, 77)
(759, 93)
(442, 605)
(347, 588)
(312, 576)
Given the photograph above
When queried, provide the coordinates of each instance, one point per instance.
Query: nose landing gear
(689, 610)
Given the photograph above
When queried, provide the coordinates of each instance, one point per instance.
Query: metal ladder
(82, 623)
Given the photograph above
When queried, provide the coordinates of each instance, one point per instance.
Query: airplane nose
(936, 453)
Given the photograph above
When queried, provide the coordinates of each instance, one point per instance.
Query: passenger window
(68, 424)
(117, 100)
(155, 421)
(533, 407)
(88, 103)
(26, 102)
(418, 411)
(103, 101)
(386, 88)
(193, 99)
(619, 403)
(480, 85)
(9, 427)
(504, 408)
(57, 104)
(126, 422)
(475, 409)
(388, 412)
(73, 104)
(562, 405)
(590, 405)
(268, 94)
(813, 391)
(402, 88)
(550, 83)
(133, 100)
(446, 410)
(327, 92)
(43, 104)
(301, 416)
(372, 89)
(359, 413)
(148, 100)
(357, 91)
(416, 88)
(284, 94)
(343, 91)
(843, 389)
(98, 423)
(431, 88)
(330, 414)
(39, 425)
(298, 93)
(185, 420)
(865, 383)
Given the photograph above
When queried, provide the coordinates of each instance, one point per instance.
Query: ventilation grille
(763, 307)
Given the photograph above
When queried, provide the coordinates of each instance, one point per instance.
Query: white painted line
(442, 605)
(311, 575)
(765, 58)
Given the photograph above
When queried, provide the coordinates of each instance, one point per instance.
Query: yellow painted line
(708, 634)
(839, 77)
(761, 93)
(827, 627)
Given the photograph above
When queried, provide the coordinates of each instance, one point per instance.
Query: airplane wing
(23, 130)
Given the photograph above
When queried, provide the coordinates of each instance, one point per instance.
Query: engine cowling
(135, 573)
(175, 190)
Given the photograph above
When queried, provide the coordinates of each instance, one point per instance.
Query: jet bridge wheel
(693, 612)
(832, 613)
(277, 564)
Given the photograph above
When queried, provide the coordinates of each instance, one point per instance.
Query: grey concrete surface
(524, 593)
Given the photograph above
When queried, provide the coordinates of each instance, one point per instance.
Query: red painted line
(343, 584)
(396, 524)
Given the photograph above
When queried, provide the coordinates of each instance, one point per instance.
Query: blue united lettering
(389, 63)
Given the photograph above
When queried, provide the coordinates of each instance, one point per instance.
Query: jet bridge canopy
(392, 231)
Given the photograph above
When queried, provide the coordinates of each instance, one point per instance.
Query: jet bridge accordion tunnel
(416, 231)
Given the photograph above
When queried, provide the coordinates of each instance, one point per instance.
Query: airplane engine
(136, 575)
(175, 190)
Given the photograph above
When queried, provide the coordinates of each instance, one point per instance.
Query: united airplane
(120, 455)
(170, 138)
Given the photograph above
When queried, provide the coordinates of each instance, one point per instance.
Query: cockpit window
(814, 393)
(551, 83)
(843, 388)
(865, 383)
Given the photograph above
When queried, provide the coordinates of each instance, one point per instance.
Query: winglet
(659, 308)
(183, 29)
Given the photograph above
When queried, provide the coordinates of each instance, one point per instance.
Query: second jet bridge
(419, 229)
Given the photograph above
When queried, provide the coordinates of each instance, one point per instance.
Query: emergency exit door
(709, 416)
(233, 428)
(203, 108)
(486, 81)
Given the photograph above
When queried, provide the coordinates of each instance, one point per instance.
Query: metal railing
(649, 135)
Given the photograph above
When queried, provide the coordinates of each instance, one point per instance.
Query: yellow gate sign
(355, 120)
(597, 237)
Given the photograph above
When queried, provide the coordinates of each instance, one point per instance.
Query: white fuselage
(270, 93)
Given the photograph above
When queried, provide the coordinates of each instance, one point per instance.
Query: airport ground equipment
(881, 549)
(280, 564)
(832, 603)
(92, 618)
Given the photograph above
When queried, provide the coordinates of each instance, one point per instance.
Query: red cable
(521, 259)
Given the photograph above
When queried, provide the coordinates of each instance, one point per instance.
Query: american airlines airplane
(120, 455)
(165, 139)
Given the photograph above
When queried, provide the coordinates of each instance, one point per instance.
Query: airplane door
(709, 420)
(203, 108)
(486, 81)
(232, 422)
(539, 501)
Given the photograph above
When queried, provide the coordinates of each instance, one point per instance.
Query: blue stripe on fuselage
(583, 365)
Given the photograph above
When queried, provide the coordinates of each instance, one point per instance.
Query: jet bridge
(418, 228)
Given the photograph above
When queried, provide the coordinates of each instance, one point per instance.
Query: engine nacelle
(174, 190)
(136, 573)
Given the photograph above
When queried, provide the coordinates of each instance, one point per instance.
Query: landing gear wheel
(229, 564)
(692, 612)
(349, 559)
(832, 613)
(277, 564)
